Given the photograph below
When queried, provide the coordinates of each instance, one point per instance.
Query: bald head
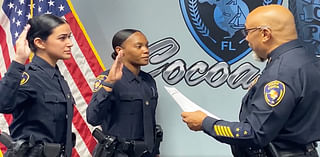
(278, 18)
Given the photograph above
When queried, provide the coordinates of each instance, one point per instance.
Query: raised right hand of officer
(22, 47)
(115, 72)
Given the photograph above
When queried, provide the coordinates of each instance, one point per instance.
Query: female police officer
(125, 97)
(42, 105)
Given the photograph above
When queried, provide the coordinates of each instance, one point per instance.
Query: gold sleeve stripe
(230, 133)
(216, 130)
(219, 130)
(223, 131)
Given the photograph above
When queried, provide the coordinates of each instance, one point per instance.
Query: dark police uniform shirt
(39, 105)
(283, 106)
(120, 112)
(10, 83)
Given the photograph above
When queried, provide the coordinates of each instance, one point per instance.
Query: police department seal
(215, 25)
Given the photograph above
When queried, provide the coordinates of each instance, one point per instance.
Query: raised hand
(22, 47)
(115, 72)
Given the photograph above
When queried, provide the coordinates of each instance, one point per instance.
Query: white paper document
(185, 104)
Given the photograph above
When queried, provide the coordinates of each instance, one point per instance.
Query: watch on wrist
(110, 85)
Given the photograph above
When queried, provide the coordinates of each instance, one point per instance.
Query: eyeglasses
(245, 31)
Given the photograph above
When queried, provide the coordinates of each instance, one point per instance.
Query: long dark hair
(120, 37)
(41, 27)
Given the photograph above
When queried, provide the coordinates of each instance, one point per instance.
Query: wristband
(110, 85)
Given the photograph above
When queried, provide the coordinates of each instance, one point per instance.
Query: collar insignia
(254, 82)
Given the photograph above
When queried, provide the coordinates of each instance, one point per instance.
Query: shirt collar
(130, 76)
(45, 66)
(283, 49)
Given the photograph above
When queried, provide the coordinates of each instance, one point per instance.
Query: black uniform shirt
(9, 84)
(39, 105)
(120, 112)
(283, 106)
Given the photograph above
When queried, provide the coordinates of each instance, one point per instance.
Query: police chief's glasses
(245, 31)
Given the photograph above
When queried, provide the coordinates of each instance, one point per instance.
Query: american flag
(80, 71)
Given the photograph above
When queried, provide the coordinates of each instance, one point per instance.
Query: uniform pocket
(56, 103)
(130, 103)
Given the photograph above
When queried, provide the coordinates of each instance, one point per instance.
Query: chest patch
(24, 79)
(97, 84)
(274, 92)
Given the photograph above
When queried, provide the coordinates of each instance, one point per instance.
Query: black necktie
(67, 94)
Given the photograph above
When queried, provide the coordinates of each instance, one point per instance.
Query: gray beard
(257, 58)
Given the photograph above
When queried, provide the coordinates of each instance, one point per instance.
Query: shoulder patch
(97, 84)
(24, 79)
(274, 92)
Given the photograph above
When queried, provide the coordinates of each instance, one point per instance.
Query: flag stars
(48, 12)
(10, 5)
(51, 3)
(16, 34)
(40, 0)
(30, 5)
(19, 12)
(21, 2)
(28, 16)
(61, 7)
(18, 23)
(13, 20)
(39, 9)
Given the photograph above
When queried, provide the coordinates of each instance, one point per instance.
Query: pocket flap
(130, 96)
(56, 98)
